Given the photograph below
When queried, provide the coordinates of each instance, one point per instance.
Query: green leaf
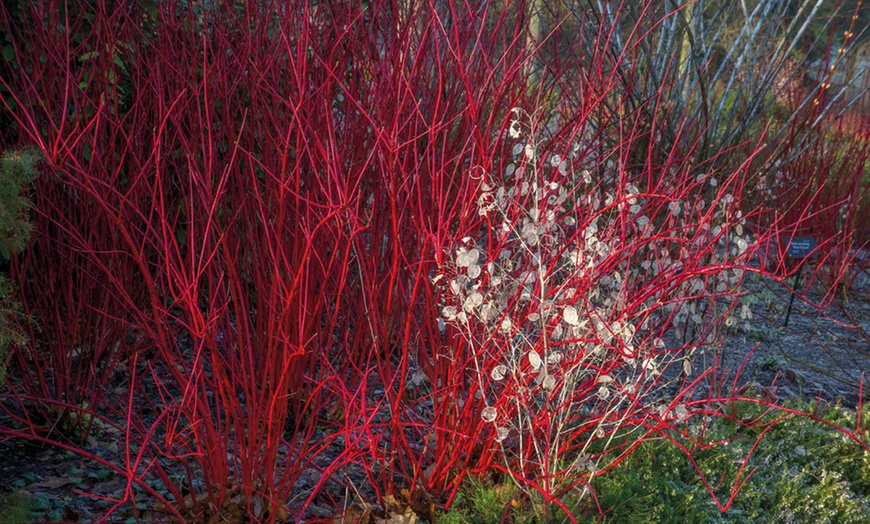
(8, 53)
(40, 503)
(100, 474)
(158, 485)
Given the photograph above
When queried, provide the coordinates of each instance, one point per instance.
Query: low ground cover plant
(802, 471)
(294, 254)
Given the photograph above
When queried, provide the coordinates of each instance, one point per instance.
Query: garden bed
(819, 355)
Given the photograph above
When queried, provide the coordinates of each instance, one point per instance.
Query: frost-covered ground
(825, 350)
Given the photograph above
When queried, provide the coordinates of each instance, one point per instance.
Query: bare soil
(810, 353)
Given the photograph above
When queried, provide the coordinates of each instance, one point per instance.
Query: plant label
(801, 247)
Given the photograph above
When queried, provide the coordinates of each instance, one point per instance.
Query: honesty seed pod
(534, 360)
(549, 382)
(506, 325)
(474, 300)
(570, 315)
(499, 372)
(449, 312)
(467, 258)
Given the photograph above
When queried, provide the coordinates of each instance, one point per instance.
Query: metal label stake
(799, 248)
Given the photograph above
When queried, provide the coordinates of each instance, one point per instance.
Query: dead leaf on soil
(397, 512)
(355, 516)
(423, 504)
(51, 482)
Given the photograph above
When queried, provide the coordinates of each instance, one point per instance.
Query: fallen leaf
(51, 482)
(355, 516)
(423, 504)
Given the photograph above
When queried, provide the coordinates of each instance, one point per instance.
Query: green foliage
(16, 508)
(17, 169)
(806, 472)
(16, 172)
(10, 335)
(478, 502)
(655, 484)
(481, 503)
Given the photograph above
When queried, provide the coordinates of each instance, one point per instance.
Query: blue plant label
(801, 247)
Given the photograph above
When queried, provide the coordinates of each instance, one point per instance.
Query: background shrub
(17, 169)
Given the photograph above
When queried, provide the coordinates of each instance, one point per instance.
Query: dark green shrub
(16, 172)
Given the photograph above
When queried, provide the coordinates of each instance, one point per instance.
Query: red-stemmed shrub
(353, 243)
(812, 180)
